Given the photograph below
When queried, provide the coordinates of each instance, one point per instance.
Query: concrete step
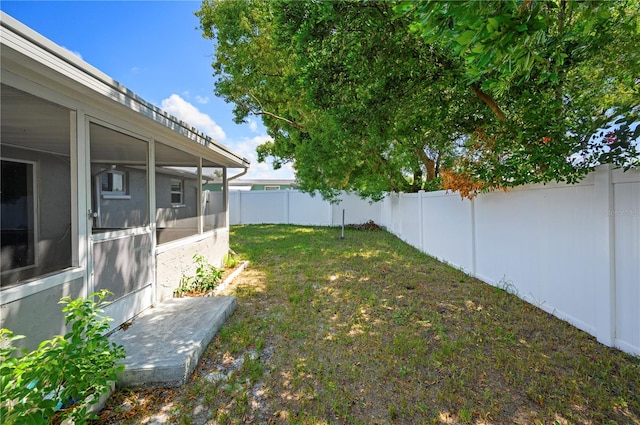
(165, 343)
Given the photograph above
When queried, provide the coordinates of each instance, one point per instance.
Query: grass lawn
(368, 330)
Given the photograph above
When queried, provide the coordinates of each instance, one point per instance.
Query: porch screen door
(121, 239)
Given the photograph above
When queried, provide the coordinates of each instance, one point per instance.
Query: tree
(348, 92)
(372, 98)
(551, 72)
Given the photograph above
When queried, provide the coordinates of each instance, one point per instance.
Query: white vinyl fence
(571, 250)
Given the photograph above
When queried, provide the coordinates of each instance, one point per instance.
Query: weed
(230, 260)
(205, 280)
(507, 286)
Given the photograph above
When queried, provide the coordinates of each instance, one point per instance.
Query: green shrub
(230, 260)
(65, 375)
(205, 279)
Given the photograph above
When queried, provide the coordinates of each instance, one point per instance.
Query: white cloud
(73, 52)
(253, 125)
(247, 149)
(185, 111)
(202, 100)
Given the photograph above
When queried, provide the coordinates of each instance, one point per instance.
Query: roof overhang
(28, 55)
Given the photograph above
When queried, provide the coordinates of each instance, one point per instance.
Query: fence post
(332, 206)
(474, 241)
(604, 255)
(421, 218)
(286, 207)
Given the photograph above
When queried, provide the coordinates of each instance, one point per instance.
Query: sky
(155, 49)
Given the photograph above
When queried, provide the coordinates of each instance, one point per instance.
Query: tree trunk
(429, 163)
(489, 101)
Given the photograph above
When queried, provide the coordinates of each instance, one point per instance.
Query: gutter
(242, 173)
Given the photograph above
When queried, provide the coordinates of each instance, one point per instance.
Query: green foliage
(230, 260)
(344, 89)
(205, 279)
(554, 73)
(374, 97)
(65, 375)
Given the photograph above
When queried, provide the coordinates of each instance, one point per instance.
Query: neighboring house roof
(27, 53)
(248, 184)
(266, 182)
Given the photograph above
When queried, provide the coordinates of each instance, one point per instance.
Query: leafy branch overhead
(375, 97)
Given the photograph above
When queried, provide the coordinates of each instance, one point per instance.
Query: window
(177, 191)
(272, 188)
(36, 191)
(114, 184)
(18, 215)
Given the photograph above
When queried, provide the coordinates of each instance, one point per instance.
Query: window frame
(34, 214)
(115, 194)
(271, 187)
(179, 192)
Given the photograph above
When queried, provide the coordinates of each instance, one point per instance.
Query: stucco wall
(176, 260)
(39, 316)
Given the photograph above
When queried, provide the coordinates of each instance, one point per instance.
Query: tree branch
(488, 100)
(278, 117)
(272, 115)
(524, 6)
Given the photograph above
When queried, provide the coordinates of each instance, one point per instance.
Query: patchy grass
(368, 330)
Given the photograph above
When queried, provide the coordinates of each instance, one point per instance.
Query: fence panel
(448, 229)
(539, 242)
(305, 209)
(626, 214)
(234, 208)
(409, 215)
(389, 211)
(356, 210)
(259, 207)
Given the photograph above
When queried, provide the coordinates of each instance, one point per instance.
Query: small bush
(206, 278)
(230, 261)
(65, 375)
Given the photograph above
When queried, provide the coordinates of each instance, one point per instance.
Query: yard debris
(369, 225)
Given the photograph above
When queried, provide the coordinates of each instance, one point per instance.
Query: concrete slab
(165, 343)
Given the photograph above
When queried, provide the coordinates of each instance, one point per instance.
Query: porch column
(151, 178)
(225, 196)
(199, 199)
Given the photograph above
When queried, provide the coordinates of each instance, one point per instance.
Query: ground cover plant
(368, 330)
(204, 281)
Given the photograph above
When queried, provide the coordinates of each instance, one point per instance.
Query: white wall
(571, 250)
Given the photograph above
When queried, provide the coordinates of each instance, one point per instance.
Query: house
(100, 190)
(256, 184)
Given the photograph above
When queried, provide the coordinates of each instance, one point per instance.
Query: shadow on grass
(370, 330)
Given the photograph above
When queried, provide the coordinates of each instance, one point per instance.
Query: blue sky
(155, 49)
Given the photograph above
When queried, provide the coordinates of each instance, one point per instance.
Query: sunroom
(100, 190)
